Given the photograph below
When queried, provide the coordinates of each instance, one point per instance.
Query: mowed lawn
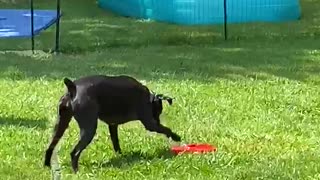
(256, 96)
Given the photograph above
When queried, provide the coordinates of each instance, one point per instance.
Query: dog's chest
(119, 118)
(117, 114)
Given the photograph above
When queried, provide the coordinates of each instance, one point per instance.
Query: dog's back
(117, 97)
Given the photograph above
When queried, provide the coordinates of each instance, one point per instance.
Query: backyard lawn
(256, 96)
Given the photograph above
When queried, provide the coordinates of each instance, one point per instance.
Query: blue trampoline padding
(191, 12)
(17, 22)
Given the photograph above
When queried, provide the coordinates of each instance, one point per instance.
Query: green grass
(256, 96)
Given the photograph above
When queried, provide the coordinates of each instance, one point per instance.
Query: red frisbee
(193, 148)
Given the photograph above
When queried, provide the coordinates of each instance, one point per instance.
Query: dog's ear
(158, 97)
(166, 98)
(169, 99)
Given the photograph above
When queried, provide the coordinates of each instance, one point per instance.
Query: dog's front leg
(154, 126)
(164, 130)
(113, 129)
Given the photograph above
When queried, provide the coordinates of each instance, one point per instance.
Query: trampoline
(197, 12)
(27, 23)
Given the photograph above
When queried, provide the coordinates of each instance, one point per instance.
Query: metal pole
(225, 20)
(58, 27)
(32, 26)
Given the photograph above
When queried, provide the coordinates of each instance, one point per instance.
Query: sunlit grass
(256, 97)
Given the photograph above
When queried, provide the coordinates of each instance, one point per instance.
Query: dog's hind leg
(88, 125)
(62, 123)
(113, 129)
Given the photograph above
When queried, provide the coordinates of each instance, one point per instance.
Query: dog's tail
(72, 89)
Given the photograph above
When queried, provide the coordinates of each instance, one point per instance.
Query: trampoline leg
(225, 20)
(58, 28)
(32, 26)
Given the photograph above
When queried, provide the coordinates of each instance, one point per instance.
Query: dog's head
(156, 100)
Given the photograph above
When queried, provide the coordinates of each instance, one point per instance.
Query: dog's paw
(47, 163)
(75, 168)
(176, 137)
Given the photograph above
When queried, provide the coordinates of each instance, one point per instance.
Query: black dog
(112, 99)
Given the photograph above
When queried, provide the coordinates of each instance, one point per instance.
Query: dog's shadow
(130, 158)
(21, 122)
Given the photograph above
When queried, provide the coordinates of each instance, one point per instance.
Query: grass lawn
(256, 96)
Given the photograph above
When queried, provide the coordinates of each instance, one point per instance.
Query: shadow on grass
(131, 158)
(97, 42)
(26, 123)
(202, 64)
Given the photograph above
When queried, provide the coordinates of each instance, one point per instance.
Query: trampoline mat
(17, 22)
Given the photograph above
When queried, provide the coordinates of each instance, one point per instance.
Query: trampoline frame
(57, 39)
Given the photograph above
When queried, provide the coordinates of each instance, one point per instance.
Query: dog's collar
(152, 96)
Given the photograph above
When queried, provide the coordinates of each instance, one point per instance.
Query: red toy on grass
(193, 148)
